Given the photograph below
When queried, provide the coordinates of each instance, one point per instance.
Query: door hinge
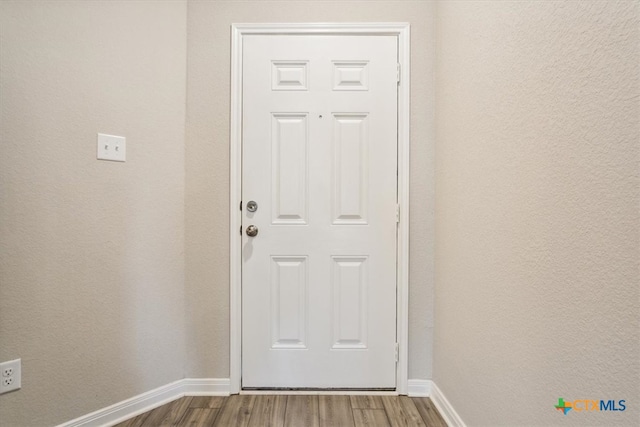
(398, 73)
(240, 204)
(397, 213)
(397, 352)
(241, 230)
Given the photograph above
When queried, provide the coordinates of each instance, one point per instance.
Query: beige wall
(207, 165)
(91, 252)
(537, 243)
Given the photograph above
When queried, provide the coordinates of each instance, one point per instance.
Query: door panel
(289, 168)
(289, 283)
(350, 165)
(350, 279)
(320, 160)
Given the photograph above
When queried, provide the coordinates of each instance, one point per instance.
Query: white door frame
(238, 31)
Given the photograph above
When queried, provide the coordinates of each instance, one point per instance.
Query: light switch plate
(112, 147)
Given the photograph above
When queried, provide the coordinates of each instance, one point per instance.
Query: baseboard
(207, 386)
(419, 388)
(444, 407)
(144, 402)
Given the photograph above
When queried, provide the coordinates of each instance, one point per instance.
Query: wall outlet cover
(10, 375)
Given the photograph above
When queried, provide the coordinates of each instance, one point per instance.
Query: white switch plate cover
(112, 147)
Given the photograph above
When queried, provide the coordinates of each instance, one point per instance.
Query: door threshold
(321, 391)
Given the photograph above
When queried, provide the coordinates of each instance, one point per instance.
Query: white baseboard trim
(144, 402)
(447, 412)
(419, 388)
(207, 386)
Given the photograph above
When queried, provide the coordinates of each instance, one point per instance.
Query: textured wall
(207, 165)
(537, 243)
(91, 252)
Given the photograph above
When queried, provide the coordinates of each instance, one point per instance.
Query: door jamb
(238, 31)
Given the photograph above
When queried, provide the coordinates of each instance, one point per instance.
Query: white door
(320, 163)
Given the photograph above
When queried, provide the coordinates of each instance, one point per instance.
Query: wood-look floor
(292, 411)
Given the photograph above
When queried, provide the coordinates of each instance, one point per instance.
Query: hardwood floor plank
(199, 417)
(177, 410)
(335, 411)
(402, 412)
(302, 411)
(236, 411)
(268, 411)
(428, 412)
(155, 416)
(370, 418)
(366, 402)
(211, 402)
(134, 422)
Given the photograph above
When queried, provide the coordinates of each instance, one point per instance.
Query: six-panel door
(320, 161)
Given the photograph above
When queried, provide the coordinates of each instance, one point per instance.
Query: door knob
(252, 231)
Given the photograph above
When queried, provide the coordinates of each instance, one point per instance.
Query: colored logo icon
(563, 406)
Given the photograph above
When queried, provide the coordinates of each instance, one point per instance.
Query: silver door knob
(252, 231)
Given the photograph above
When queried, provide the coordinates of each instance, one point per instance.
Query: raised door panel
(350, 280)
(351, 75)
(289, 282)
(289, 75)
(289, 146)
(351, 171)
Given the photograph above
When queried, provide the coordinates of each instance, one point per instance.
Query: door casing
(238, 31)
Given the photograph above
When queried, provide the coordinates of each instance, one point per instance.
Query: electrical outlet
(11, 376)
